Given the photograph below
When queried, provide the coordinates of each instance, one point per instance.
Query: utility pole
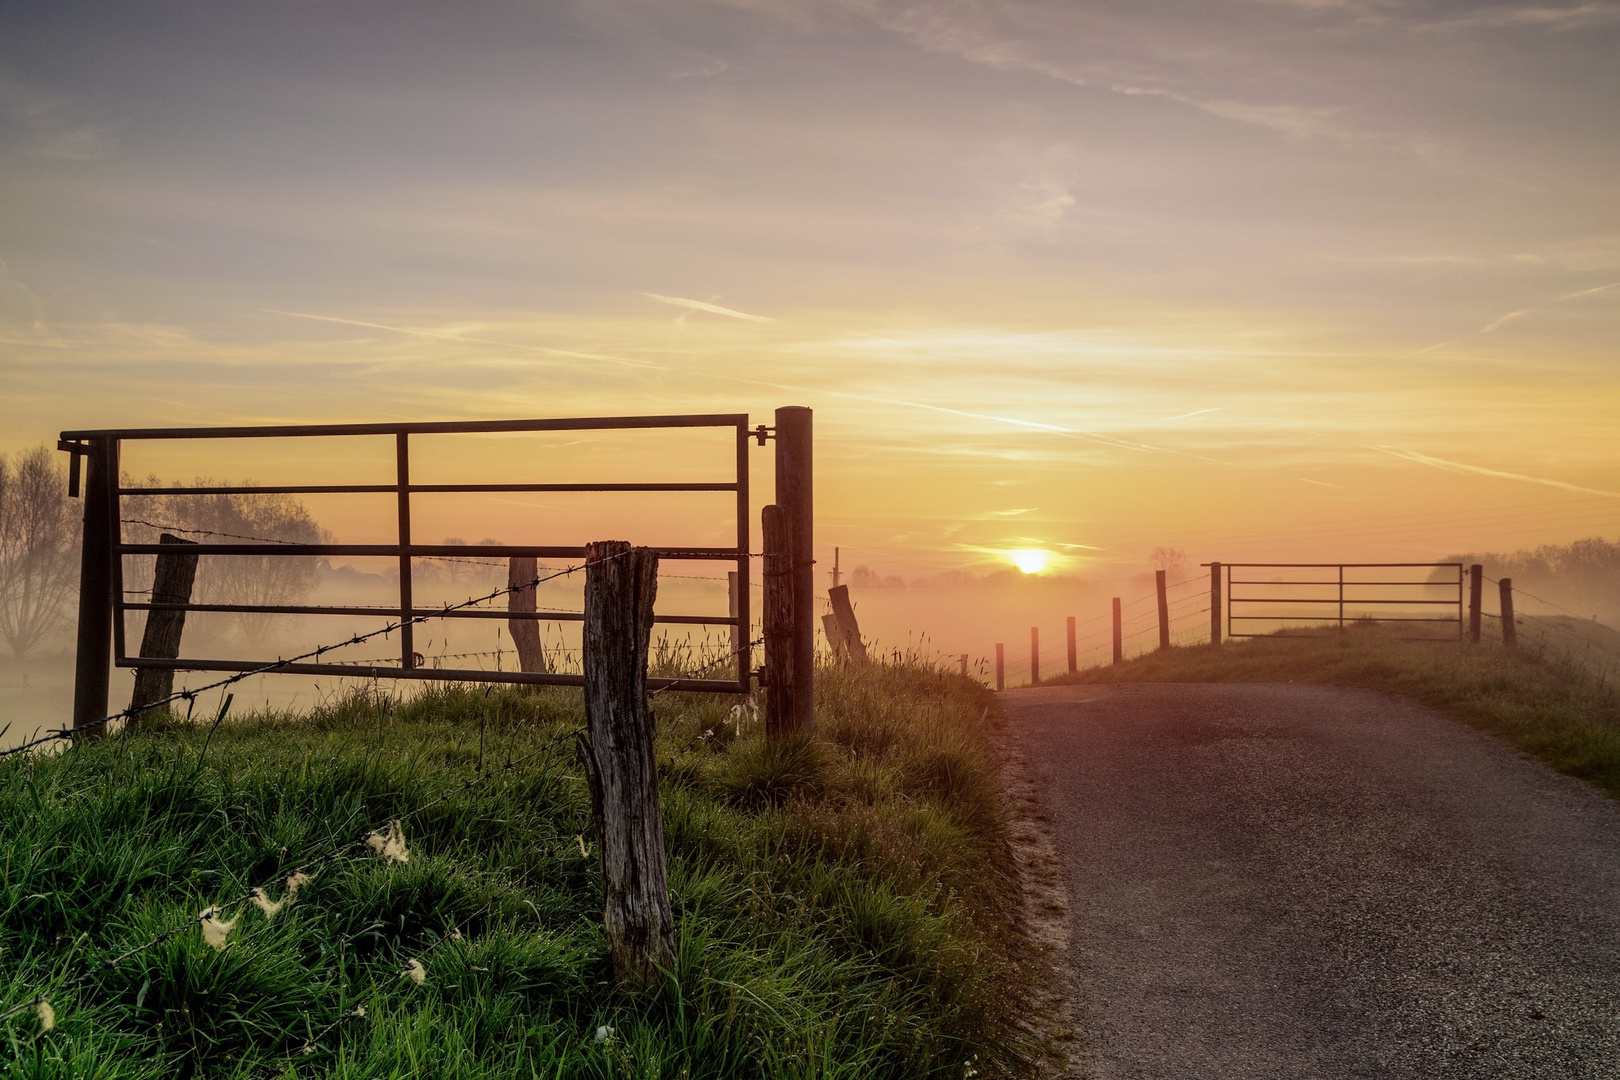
(836, 576)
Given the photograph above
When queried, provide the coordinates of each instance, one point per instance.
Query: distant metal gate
(102, 598)
(1342, 593)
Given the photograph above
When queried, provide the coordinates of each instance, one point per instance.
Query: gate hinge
(762, 433)
(75, 450)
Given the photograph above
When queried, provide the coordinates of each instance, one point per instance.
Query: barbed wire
(190, 694)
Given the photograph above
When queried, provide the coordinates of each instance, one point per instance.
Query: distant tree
(1175, 563)
(865, 576)
(39, 536)
(231, 579)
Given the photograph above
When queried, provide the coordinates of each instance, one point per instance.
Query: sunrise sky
(1325, 279)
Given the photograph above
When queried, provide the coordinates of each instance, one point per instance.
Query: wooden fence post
(1119, 635)
(1164, 609)
(1034, 655)
(621, 583)
(1215, 603)
(795, 494)
(963, 658)
(1074, 653)
(1001, 667)
(1476, 593)
(522, 570)
(172, 579)
(1510, 629)
(92, 674)
(781, 657)
(835, 637)
(849, 630)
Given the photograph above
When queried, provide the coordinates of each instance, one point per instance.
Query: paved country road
(1278, 880)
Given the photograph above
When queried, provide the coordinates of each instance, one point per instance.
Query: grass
(1540, 698)
(839, 899)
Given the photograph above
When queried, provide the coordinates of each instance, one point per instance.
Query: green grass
(839, 899)
(1539, 698)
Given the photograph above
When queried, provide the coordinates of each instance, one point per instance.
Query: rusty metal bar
(745, 654)
(534, 678)
(454, 427)
(420, 551)
(418, 613)
(431, 489)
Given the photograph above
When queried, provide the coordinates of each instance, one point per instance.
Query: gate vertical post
(1510, 629)
(1214, 603)
(795, 494)
(92, 676)
(1341, 598)
(1476, 594)
(1119, 635)
(407, 639)
(1164, 609)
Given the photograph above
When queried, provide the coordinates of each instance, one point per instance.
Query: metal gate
(1297, 596)
(104, 606)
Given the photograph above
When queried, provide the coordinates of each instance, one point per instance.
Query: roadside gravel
(1278, 880)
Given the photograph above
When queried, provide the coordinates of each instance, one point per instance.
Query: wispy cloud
(450, 335)
(1480, 470)
(1522, 312)
(712, 309)
(1195, 412)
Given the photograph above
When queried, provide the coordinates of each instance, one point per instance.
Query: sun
(1029, 560)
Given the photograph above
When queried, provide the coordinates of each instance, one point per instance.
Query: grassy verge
(1541, 701)
(839, 899)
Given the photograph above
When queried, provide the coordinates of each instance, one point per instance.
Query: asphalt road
(1276, 880)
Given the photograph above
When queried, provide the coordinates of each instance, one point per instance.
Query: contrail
(1510, 316)
(699, 305)
(440, 335)
(1195, 412)
(1480, 470)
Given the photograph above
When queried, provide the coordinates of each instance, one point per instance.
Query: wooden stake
(835, 638)
(844, 613)
(1034, 655)
(1164, 609)
(621, 583)
(172, 579)
(522, 570)
(1001, 667)
(1074, 652)
(1510, 629)
(1119, 635)
(963, 658)
(1476, 593)
(781, 656)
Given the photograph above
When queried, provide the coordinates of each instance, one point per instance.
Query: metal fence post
(92, 674)
(795, 494)
(1510, 629)
(1164, 609)
(1001, 667)
(1074, 653)
(1476, 594)
(1214, 603)
(1119, 635)
(1034, 655)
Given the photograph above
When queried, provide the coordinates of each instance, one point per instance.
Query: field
(840, 900)
(1555, 697)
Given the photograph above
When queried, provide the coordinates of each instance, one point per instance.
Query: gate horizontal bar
(454, 427)
(367, 671)
(419, 613)
(419, 551)
(429, 489)
(1349, 601)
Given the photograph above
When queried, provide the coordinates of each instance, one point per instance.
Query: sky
(1261, 279)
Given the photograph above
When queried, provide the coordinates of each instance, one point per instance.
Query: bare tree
(39, 533)
(249, 517)
(1175, 563)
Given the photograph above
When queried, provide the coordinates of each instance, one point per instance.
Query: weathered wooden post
(963, 658)
(521, 573)
(849, 629)
(835, 637)
(1001, 667)
(1476, 594)
(92, 673)
(781, 657)
(1034, 655)
(1119, 635)
(1074, 652)
(1510, 629)
(1164, 609)
(621, 583)
(1215, 603)
(172, 579)
(795, 494)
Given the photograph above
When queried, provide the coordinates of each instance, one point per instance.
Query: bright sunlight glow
(1029, 560)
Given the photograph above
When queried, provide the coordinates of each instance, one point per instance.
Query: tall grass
(1543, 700)
(837, 897)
